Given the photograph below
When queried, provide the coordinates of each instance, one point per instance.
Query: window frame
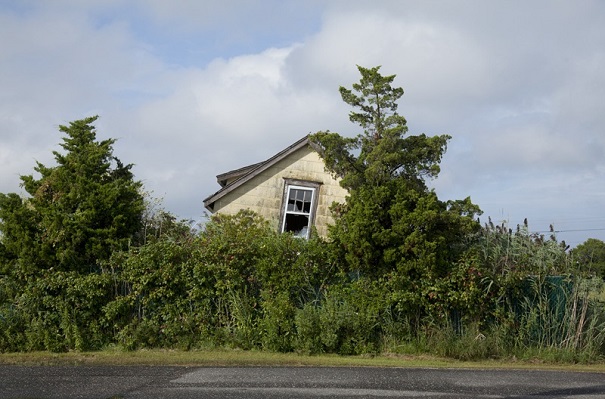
(301, 185)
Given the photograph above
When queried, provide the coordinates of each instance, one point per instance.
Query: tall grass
(570, 328)
(531, 302)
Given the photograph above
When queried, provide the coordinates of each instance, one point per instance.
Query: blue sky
(193, 88)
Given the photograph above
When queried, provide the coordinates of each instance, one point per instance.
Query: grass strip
(235, 358)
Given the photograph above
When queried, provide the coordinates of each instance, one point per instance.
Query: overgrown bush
(237, 284)
(58, 311)
(153, 304)
(278, 324)
(240, 284)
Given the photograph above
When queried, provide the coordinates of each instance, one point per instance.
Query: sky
(194, 88)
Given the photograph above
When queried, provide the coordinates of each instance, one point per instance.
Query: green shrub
(61, 311)
(350, 319)
(278, 322)
(308, 330)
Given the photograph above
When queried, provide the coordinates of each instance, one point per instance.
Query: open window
(299, 207)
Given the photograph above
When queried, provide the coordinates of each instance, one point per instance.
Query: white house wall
(263, 193)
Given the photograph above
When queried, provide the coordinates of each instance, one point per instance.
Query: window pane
(299, 200)
(292, 200)
(307, 202)
(297, 224)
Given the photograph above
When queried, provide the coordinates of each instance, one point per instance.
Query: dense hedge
(239, 284)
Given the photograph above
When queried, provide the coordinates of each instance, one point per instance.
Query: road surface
(104, 382)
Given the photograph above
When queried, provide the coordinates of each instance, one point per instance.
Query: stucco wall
(263, 193)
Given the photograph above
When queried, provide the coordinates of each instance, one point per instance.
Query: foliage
(158, 224)
(155, 306)
(77, 213)
(58, 311)
(237, 284)
(590, 257)
(531, 295)
(288, 294)
(87, 261)
(277, 326)
(391, 220)
(517, 253)
(54, 241)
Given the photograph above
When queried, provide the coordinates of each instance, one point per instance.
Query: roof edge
(255, 170)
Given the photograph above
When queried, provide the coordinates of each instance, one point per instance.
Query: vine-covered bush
(58, 311)
(239, 284)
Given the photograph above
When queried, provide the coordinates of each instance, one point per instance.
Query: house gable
(225, 179)
(262, 187)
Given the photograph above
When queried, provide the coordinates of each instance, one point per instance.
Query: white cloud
(518, 85)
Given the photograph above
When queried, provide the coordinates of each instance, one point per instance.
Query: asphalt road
(292, 382)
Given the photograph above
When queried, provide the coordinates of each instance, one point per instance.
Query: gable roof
(245, 174)
(233, 175)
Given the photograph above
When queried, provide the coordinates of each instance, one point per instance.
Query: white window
(299, 208)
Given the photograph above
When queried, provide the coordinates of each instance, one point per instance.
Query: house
(291, 189)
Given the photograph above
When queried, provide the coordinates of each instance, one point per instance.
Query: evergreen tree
(391, 220)
(590, 257)
(77, 212)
